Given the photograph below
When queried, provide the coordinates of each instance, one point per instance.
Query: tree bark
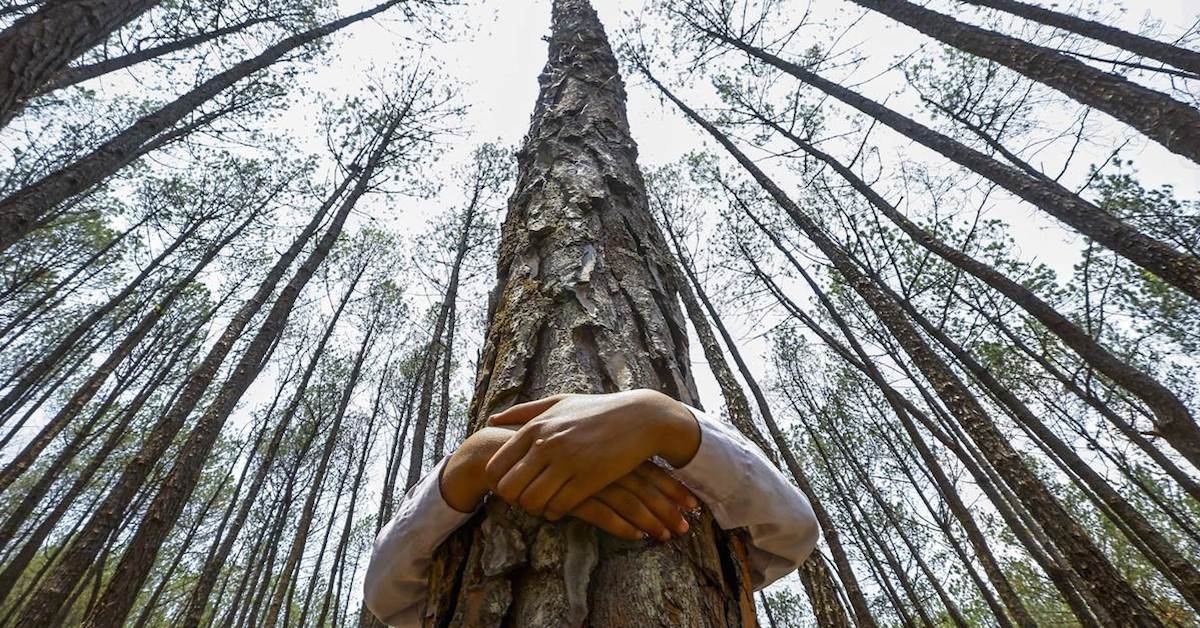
(583, 304)
(39, 45)
(1181, 58)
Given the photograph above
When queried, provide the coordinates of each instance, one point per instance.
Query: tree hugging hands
(586, 456)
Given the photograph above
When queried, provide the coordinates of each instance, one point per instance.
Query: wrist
(676, 433)
(461, 482)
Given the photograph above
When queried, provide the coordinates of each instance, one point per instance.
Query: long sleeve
(744, 490)
(398, 574)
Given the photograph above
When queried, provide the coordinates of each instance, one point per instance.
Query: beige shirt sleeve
(728, 473)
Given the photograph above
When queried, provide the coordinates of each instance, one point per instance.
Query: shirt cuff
(722, 465)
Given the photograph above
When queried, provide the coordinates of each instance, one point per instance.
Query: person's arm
(645, 501)
(570, 444)
(745, 490)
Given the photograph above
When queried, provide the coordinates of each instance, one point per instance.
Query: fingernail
(683, 527)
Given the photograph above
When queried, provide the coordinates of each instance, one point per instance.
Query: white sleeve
(398, 575)
(744, 490)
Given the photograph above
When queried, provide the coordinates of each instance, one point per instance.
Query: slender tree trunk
(80, 73)
(1167, 407)
(580, 307)
(22, 210)
(223, 544)
(41, 44)
(439, 437)
(187, 467)
(1173, 266)
(85, 547)
(1108, 586)
(34, 372)
(310, 503)
(1163, 119)
(816, 578)
(1181, 58)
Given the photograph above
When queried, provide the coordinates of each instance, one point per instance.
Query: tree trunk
(1163, 119)
(38, 46)
(80, 73)
(85, 547)
(1181, 58)
(1172, 266)
(185, 471)
(816, 578)
(581, 306)
(1108, 586)
(22, 211)
(1165, 405)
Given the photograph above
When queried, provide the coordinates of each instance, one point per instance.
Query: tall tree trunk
(39, 45)
(1106, 583)
(22, 211)
(813, 573)
(84, 548)
(80, 73)
(1181, 58)
(443, 420)
(581, 307)
(185, 471)
(1160, 258)
(310, 502)
(1169, 122)
(1167, 407)
(223, 544)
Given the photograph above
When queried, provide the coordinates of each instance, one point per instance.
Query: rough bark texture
(1169, 122)
(38, 46)
(584, 303)
(1106, 584)
(1181, 58)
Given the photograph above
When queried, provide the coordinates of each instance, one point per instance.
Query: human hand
(569, 447)
(646, 502)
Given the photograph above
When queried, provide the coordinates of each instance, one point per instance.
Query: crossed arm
(587, 456)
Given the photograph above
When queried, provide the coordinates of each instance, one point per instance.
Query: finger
(634, 511)
(567, 498)
(510, 487)
(522, 412)
(668, 485)
(534, 498)
(506, 456)
(600, 515)
(656, 502)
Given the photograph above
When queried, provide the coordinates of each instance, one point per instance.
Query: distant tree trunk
(23, 210)
(185, 471)
(443, 421)
(223, 545)
(1172, 266)
(41, 44)
(816, 578)
(1165, 404)
(310, 502)
(86, 546)
(1108, 586)
(581, 307)
(1163, 119)
(80, 73)
(1181, 58)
